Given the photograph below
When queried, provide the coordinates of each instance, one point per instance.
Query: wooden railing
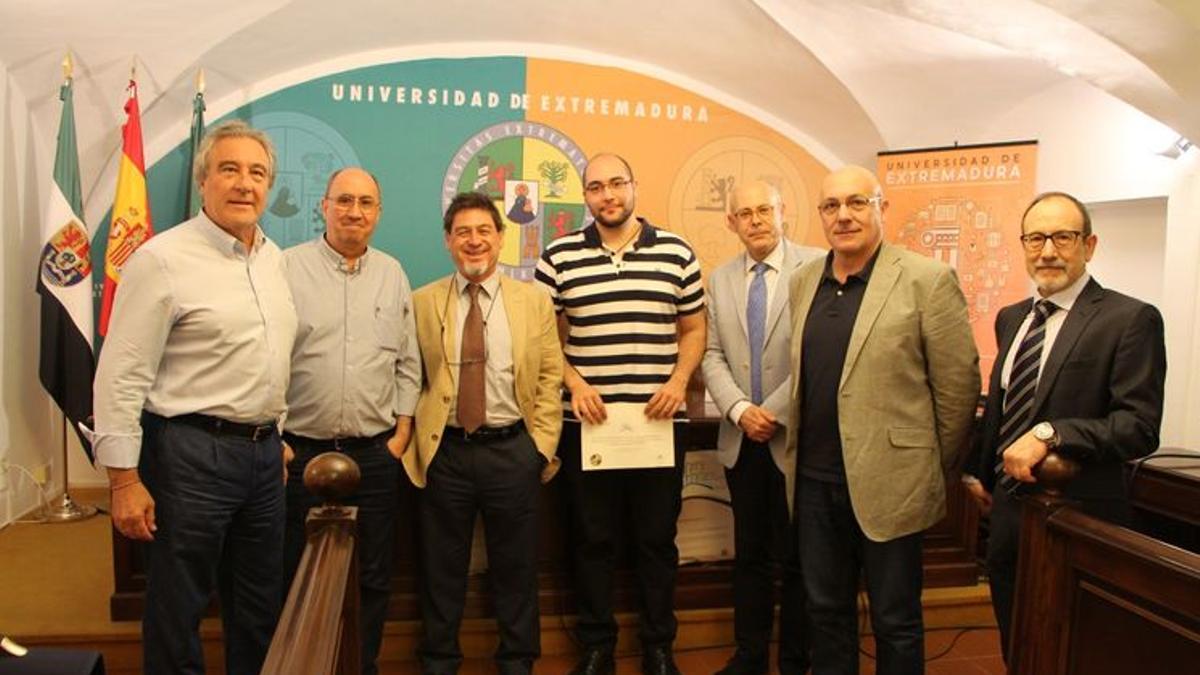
(318, 630)
(1096, 598)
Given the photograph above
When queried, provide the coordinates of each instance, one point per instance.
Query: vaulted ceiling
(845, 77)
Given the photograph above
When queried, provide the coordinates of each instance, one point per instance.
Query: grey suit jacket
(908, 392)
(726, 363)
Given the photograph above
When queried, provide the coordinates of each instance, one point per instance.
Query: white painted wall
(27, 415)
(1181, 423)
(1131, 252)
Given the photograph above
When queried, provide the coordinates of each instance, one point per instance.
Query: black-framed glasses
(763, 211)
(1035, 241)
(615, 185)
(855, 203)
(346, 202)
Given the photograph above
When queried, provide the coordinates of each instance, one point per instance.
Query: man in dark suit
(1080, 371)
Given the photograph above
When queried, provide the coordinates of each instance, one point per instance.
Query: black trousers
(219, 507)
(602, 505)
(764, 535)
(377, 501)
(499, 478)
(832, 552)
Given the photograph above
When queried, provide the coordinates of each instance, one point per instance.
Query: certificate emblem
(595, 459)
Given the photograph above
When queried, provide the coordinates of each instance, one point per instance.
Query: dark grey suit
(1102, 390)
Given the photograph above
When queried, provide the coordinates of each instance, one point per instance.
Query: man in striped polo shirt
(630, 315)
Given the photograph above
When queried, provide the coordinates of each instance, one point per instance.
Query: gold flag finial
(199, 80)
(133, 69)
(68, 66)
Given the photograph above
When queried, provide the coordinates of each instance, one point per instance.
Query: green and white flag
(191, 196)
(64, 281)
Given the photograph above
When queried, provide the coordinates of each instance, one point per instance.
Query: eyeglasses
(764, 212)
(615, 185)
(856, 204)
(1035, 241)
(346, 202)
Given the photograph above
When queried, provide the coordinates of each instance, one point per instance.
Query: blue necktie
(756, 324)
(1022, 386)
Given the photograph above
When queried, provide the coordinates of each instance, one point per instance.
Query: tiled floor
(975, 652)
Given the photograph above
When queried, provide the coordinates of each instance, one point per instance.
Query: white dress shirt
(774, 261)
(499, 384)
(355, 364)
(1065, 299)
(200, 325)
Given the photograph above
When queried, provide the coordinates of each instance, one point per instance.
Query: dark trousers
(499, 478)
(219, 507)
(1004, 535)
(1004, 531)
(764, 534)
(832, 552)
(377, 501)
(603, 504)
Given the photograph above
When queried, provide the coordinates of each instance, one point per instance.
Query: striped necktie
(756, 324)
(1022, 386)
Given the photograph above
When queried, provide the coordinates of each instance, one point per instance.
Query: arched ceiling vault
(845, 77)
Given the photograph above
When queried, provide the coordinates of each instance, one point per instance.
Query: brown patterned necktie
(472, 398)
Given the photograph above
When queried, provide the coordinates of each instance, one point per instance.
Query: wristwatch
(1045, 433)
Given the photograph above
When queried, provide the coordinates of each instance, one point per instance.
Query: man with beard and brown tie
(486, 431)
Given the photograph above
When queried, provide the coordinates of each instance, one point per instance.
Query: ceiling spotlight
(1176, 149)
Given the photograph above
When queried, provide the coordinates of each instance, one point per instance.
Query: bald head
(351, 208)
(863, 181)
(851, 208)
(610, 191)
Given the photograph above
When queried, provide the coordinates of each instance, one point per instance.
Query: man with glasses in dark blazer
(1080, 371)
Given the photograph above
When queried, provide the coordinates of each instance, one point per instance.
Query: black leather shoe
(658, 661)
(737, 666)
(594, 662)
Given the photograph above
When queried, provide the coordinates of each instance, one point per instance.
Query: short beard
(474, 270)
(626, 214)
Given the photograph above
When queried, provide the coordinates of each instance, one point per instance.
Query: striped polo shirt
(622, 309)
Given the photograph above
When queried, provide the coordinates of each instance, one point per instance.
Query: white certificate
(627, 440)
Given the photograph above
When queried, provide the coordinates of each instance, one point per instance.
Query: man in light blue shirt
(355, 380)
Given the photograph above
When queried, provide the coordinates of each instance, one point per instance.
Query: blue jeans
(219, 508)
(833, 549)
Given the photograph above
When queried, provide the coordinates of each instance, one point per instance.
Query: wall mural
(521, 130)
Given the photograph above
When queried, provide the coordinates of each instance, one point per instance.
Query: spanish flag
(130, 224)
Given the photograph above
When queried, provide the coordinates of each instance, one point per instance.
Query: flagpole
(64, 509)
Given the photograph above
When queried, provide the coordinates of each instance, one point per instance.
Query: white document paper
(627, 440)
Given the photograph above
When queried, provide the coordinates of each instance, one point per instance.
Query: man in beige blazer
(486, 431)
(885, 388)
